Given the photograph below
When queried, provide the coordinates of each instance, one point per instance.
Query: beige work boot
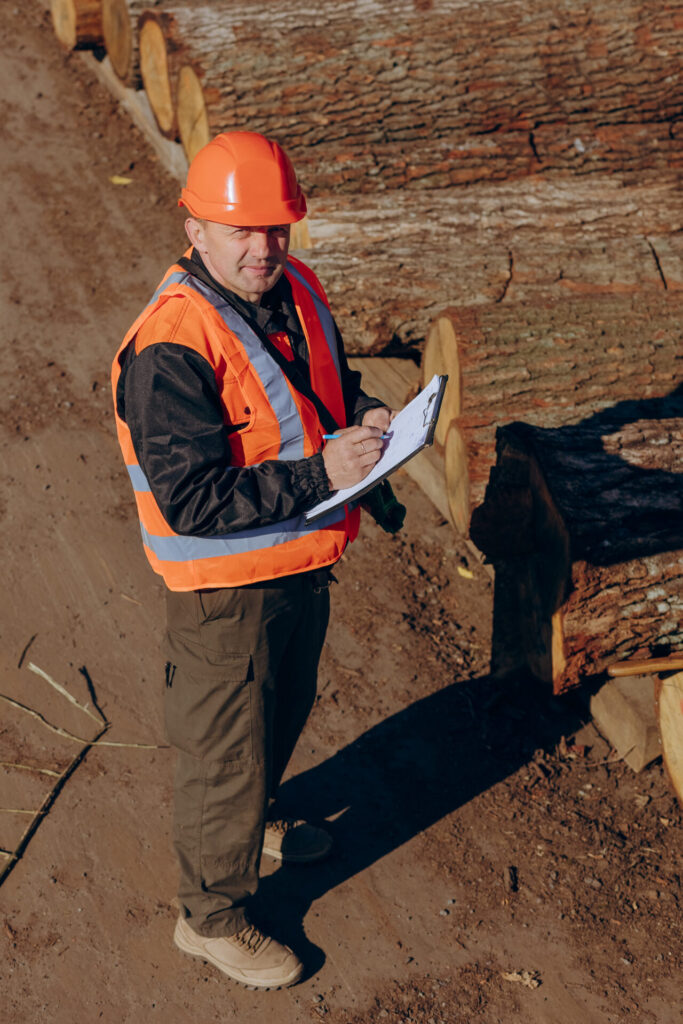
(249, 957)
(295, 842)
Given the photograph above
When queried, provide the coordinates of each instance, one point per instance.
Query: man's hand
(380, 417)
(350, 457)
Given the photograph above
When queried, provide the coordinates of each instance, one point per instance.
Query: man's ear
(194, 230)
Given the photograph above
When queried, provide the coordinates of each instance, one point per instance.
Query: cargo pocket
(208, 707)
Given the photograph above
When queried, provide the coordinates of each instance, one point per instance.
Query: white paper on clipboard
(411, 430)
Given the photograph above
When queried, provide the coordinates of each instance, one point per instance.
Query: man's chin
(256, 281)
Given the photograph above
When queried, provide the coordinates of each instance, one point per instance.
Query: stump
(77, 23)
(584, 525)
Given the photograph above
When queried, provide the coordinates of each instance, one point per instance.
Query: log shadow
(616, 510)
(404, 775)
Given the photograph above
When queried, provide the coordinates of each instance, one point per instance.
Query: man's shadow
(421, 764)
(402, 776)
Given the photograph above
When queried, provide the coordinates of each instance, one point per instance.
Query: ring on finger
(362, 448)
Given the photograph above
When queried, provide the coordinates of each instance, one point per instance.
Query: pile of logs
(368, 95)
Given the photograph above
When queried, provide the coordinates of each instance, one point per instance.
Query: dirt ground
(494, 863)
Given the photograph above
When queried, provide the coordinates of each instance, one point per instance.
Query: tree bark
(550, 366)
(120, 28)
(77, 23)
(392, 263)
(584, 524)
(379, 94)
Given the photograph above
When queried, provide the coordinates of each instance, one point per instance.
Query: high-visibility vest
(281, 424)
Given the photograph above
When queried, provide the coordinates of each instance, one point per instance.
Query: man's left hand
(380, 417)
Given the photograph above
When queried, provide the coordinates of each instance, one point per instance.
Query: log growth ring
(154, 71)
(193, 122)
(457, 479)
(441, 356)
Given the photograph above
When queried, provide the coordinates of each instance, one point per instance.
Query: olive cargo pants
(241, 681)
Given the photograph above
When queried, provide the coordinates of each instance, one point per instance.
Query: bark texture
(391, 263)
(371, 94)
(585, 523)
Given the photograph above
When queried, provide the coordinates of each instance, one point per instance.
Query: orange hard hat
(243, 178)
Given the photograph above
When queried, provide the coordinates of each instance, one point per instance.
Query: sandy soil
(492, 864)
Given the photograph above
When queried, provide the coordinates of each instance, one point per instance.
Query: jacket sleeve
(169, 398)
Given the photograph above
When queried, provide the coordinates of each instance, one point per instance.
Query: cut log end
(77, 23)
(669, 710)
(457, 479)
(300, 236)
(118, 36)
(154, 72)
(193, 122)
(441, 356)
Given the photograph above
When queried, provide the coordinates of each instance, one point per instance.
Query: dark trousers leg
(243, 679)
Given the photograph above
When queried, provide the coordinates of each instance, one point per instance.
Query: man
(224, 387)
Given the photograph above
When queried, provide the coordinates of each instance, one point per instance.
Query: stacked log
(119, 26)
(77, 23)
(584, 525)
(392, 263)
(369, 95)
(548, 366)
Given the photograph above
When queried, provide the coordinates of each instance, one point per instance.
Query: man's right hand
(350, 456)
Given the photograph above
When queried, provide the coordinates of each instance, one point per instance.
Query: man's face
(246, 260)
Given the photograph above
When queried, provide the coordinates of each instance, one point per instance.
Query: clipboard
(411, 430)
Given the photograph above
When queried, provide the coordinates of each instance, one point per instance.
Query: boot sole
(249, 983)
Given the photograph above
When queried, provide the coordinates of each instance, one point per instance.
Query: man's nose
(260, 243)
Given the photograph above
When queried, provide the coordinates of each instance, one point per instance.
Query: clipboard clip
(427, 415)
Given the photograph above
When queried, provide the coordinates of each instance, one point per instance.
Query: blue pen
(334, 437)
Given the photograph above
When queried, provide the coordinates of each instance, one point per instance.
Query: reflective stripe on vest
(185, 549)
(177, 277)
(266, 369)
